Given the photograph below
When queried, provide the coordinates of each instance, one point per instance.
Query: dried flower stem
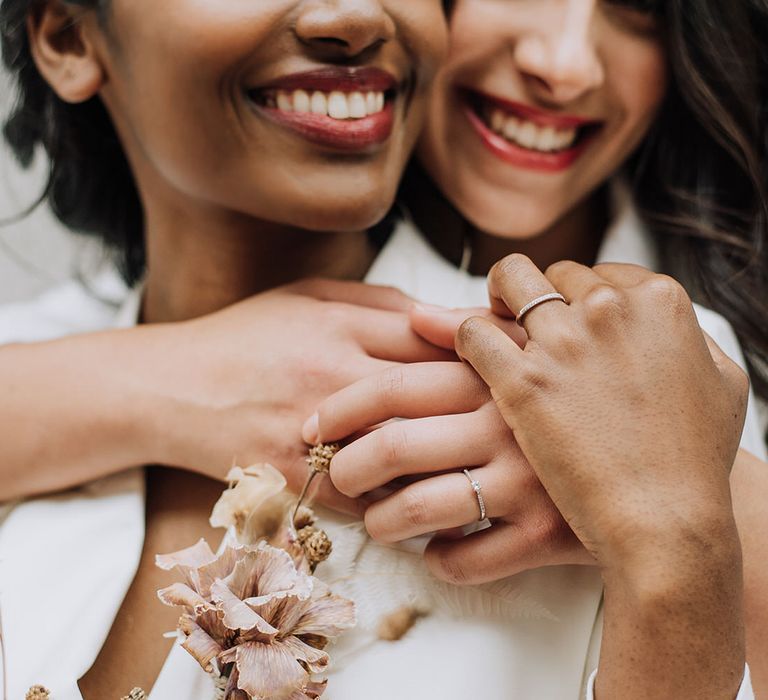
(319, 461)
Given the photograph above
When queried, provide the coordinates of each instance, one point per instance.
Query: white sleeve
(745, 692)
(753, 437)
(69, 308)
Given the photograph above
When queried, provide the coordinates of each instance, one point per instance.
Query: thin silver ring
(478, 489)
(553, 296)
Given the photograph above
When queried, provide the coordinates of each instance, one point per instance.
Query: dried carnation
(253, 616)
(38, 692)
(256, 504)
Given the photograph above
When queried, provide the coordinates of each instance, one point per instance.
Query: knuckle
(391, 385)
(393, 444)
(559, 269)
(667, 292)
(444, 566)
(737, 379)
(549, 532)
(605, 305)
(415, 508)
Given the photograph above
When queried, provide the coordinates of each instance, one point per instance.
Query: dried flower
(38, 692)
(135, 694)
(256, 504)
(316, 544)
(320, 457)
(395, 626)
(253, 616)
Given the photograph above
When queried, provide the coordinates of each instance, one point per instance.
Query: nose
(347, 26)
(562, 57)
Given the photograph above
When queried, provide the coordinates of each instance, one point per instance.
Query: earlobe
(64, 52)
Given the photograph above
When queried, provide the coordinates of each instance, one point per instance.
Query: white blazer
(66, 561)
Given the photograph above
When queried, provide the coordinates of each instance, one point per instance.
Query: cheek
(639, 76)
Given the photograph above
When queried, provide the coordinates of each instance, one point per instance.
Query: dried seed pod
(320, 457)
(135, 694)
(38, 692)
(316, 544)
(396, 625)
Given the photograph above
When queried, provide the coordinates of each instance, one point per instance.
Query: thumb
(439, 326)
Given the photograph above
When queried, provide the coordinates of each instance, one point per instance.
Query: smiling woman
(197, 138)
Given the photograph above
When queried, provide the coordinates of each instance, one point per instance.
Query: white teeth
(510, 128)
(337, 104)
(319, 103)
(530, 135)
(357, 107)
(338, 107)
(301, 101)
(284, 101)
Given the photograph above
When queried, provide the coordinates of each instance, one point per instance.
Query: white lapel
(66, 563)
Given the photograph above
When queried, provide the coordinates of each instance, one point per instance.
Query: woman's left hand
(452, 424)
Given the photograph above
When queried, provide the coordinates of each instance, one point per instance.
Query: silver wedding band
(478, 489)
(553, 296)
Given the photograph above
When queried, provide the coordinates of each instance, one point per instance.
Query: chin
(346, 217)
(517, 219)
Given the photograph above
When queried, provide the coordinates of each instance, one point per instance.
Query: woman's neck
(198, 263)
(577, 236)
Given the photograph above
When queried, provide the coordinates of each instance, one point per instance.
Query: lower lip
(351, 135)
(522, 157)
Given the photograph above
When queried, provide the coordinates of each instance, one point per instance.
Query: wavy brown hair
(701, 177)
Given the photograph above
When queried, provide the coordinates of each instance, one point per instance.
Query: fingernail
(310, 430)
(431, 308)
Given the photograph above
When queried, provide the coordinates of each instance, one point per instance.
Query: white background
(34, 253)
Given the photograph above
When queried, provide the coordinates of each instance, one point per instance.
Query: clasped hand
(611, 425)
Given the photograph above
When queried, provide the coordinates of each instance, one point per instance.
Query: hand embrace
(626, 415)
(452, 424)
(240, 382)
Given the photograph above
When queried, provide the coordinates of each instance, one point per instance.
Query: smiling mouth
(547, 139)
(349, 109)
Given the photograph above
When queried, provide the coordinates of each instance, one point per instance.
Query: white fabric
(745, 691)
(66, 561)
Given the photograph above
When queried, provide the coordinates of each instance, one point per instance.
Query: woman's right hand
(234, 385)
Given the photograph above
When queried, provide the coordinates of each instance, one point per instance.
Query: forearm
(749, 485)
(71, 412)
(674, 626)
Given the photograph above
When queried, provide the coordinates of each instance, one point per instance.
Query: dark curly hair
(699, 179)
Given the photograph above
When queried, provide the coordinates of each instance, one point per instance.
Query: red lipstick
(476, 103)
(350, 134)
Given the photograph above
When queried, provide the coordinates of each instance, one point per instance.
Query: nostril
(331, 41)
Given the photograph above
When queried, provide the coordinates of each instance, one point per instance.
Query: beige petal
(192, 557)
(269, 671)
(327, 616)
(182, 595)
(263, 571)
(254, 489)
(200, 645)
(316, 660)
(236, 615)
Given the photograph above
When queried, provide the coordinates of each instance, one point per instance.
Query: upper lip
(331, 78)
(536, 115)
